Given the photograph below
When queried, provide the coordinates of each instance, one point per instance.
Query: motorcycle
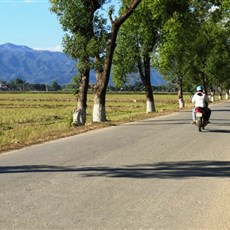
(200, 118)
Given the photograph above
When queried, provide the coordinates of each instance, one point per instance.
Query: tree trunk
(79, 115)
(205, 83)
(150, 106)
(227, 94)
(99, 112)
(145, 75)
(220, 93)
(103, 73)
(180, 94)
(212, 94)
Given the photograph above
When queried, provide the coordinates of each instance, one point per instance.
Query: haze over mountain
(44, 67)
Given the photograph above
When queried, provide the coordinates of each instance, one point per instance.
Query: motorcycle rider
(200, 99)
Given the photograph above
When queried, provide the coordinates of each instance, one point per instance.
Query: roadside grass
(30, 118)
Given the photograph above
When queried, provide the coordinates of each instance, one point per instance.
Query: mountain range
(42, 66)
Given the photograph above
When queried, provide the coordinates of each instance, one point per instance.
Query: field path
(159, 173)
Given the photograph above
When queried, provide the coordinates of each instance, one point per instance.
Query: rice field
(29, 118)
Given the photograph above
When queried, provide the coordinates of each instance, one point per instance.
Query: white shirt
(199, 99)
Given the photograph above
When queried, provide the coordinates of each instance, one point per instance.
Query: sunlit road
(153, 174)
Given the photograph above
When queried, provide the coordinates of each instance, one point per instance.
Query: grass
(29, 118)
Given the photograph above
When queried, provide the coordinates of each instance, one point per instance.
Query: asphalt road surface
(154, 174)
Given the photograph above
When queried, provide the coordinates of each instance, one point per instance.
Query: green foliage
(55, 86)
(136, 39)
(86, 29)
(177, 33)
(195, 45)
(217, 65)
(17, 84)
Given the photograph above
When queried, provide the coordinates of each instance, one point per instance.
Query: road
(158, 173)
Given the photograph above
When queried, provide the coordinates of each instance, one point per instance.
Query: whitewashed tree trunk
(226, 94)
(181, 103)
(212, 95)
(79, 116)
(212, 98)
(181, 94)
(99, 113)
(150, 107)
(220, 93)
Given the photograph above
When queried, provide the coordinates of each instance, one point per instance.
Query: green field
(29, 118)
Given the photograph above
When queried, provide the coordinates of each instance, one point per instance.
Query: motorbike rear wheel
(203, 124)
(199, 123)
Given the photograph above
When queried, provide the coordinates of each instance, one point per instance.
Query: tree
(55, 86)
(103, 60)
(77, 19)
(174, 51)
(218, 65)
(136, 41)
(140, 36)
(17, 84)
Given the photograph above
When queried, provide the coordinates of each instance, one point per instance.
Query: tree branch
(129, 10)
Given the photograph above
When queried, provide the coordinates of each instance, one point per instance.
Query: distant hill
(44, 67)
(35, 66)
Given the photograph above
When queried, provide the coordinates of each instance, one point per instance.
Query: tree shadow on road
(162, 170)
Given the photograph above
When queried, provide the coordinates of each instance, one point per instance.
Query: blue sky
(29, 23)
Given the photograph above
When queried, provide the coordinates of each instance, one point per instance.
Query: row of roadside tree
(18, 84)
(187, 41)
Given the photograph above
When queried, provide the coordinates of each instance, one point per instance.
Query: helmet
(199, 88)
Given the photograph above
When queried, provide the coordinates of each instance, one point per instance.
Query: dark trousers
(207, 113)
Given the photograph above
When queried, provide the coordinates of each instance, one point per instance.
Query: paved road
(154, 174)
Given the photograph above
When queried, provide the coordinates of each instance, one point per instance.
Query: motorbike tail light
(198, 110)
